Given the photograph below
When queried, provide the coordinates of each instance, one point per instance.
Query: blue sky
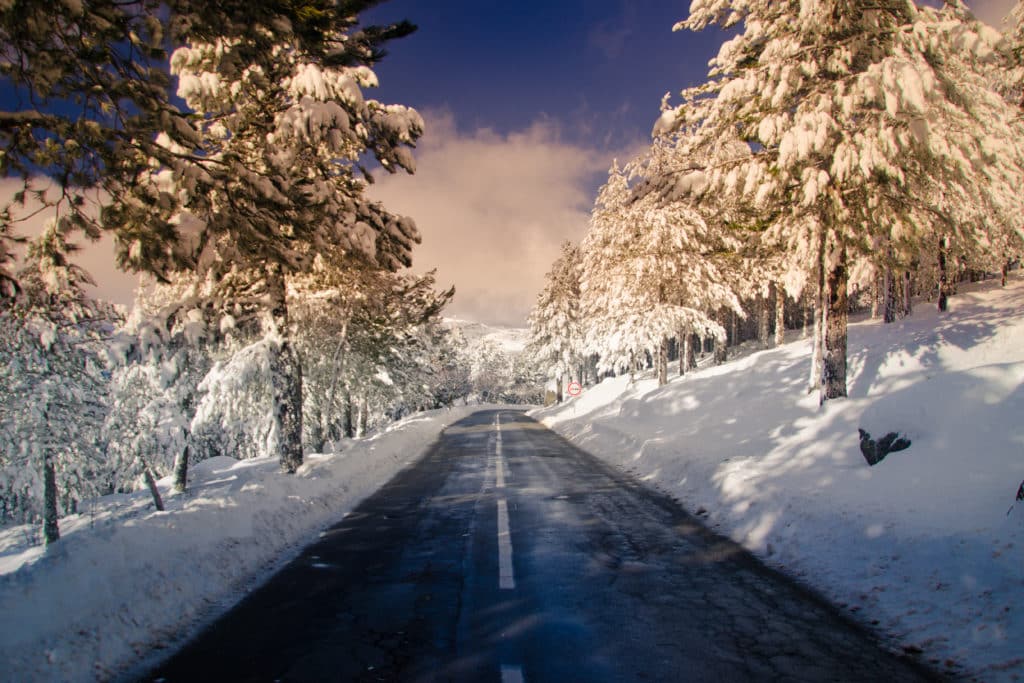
(599, 67)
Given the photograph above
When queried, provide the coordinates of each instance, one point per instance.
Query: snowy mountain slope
(125, 579)
(508, 339)
(920, 545)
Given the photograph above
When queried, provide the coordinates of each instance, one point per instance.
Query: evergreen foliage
(53, 373)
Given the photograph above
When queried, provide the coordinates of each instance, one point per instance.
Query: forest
(227, 148)
(840, 157)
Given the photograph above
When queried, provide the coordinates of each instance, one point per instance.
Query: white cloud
(493, 210)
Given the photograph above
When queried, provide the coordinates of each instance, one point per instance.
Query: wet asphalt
(507, 554)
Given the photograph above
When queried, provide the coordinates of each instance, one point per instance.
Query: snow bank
(125, 579)
(921, 545)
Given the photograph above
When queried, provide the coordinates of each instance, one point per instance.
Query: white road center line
(497, 442)
(511, 674)
(499, 462)
(506, 578)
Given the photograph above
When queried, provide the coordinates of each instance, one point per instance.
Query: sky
(526, 105)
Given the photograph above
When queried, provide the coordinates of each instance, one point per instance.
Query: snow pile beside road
(920, 545)
(125, 579)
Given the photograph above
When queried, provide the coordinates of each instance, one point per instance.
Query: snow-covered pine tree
(163, 352)
(54, 399)
(501, 374)
(325, 303)
(89, 91)
(421, 343)
(861, 138)
(450, 380)
(648, 274)
(556, 330)
(283, 130)
(1010, 81)
(368, 333)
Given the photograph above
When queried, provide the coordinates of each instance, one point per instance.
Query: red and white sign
(575, 388)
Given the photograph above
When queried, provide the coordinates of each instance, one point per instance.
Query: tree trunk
(347, 423)
(818, 348)
(685, 342)
(943, 277)
(1003, 273)
(780, 314)
(808, 313)
(181, 469)
(817, 342)
(764, 320)
(680, 343)
(51, 530)
(908, 293)
(560, 391)
(153, 490)
(889, 294)
(285, 375)
(327, 415)
(833, 375)
(363, 418)
(318, 433)
(721, 346)
(691, 351)
(663, 363)
(721, 351)
(875, 296)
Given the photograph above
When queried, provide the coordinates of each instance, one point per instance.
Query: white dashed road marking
(506, 578)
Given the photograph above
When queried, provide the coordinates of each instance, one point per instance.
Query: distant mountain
(509, 339)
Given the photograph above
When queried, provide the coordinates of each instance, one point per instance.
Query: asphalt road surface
(506, 554)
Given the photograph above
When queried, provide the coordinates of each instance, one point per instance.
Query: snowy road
(508, 555)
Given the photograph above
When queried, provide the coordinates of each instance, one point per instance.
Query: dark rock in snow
(875, 451)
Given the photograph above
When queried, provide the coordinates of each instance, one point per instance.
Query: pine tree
(164, 350)
(868, 134)
(54, 398)
(556, 331)
(90, 91)
(368, 332)
(282, 130)
(649, 273)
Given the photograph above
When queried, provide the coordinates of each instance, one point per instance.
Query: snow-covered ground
(125, 579)
(921, 545)
(508, 339)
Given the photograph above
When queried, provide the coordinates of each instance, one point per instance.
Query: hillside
(922, 545)
(508, 339)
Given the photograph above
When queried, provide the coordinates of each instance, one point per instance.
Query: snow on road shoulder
(920, 545)
(125, 579)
